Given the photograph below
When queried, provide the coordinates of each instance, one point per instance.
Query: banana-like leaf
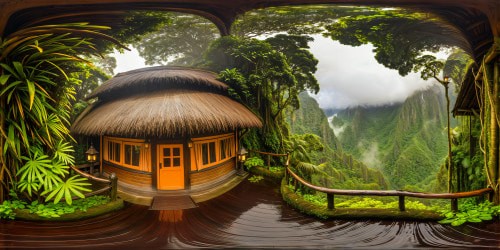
(62, 152)
(72, 186)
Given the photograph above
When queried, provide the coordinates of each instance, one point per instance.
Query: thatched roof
(157, 78)
(178, 109)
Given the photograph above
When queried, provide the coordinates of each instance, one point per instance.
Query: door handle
(160, 165)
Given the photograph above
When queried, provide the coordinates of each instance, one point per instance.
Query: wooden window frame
(144, 165)
(198, 146)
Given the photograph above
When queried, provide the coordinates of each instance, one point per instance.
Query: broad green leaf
(474, 220)
(458, 222)
(31, 92)
(485, 217)
(19, 70)
(4, 78)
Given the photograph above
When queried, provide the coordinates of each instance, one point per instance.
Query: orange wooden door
(170, 167)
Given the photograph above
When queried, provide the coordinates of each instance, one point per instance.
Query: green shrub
(470, 212)
(253, 162)
(50, 210)
(255, 178)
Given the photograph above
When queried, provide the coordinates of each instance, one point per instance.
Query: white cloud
(350, 76)
(128, 60)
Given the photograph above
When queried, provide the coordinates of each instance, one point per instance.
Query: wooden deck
(249, 216)
(172, 202)
(198, 194)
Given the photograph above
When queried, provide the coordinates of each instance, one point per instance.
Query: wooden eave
(467, 102)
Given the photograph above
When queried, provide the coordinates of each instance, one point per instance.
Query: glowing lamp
(91, 154)
(242, 154)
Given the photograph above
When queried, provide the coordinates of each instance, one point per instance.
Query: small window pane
(212, 152)
(128, 155)
(136, 155)
(110, 150)
(223, 146)
(166, 151)
(177, 152)
(166, 162)
(204, 153)
(177, 162)
(117, 152)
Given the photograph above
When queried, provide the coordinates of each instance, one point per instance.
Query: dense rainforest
(339, 169)
(269, 68)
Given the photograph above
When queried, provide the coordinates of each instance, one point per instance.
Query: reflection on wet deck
(249, 216)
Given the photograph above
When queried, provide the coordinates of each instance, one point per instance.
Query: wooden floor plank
(172, 202)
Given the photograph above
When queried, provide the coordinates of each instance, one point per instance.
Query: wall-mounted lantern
(242, 154)
(190, 143)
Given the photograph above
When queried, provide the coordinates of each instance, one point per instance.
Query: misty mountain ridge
(407, 141)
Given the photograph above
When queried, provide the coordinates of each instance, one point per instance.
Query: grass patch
(317, 207)
(274, 173)
(77, 214)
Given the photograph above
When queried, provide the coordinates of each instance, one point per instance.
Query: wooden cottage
(165, 128)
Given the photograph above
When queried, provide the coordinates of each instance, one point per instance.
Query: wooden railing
(112, 182)
(268, 155)
(401, 194)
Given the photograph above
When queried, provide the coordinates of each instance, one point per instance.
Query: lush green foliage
(179, 41)
(7, 208)
(317, 144)
(36, 88)
(255, 178)
(254, 162)
(406, 140)
(57, 209)
(50, 210)
(470, 212)
(387, 31)
(264, 76)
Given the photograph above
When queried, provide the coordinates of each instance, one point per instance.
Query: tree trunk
(494, 143)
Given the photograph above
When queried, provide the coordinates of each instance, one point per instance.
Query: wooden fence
(453, 197)
(401, 194)
(111, 187)
(269, 155)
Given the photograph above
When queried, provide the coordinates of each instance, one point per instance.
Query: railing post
(268, 161)
(329, 198)
(402, 203)
(114, 186)
(454, 205)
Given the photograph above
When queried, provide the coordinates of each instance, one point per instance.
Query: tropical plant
(300, 146)
(253, 162)
(470, 212)
(255, 178)
(430, 67)
(264, 76)
(35, 99)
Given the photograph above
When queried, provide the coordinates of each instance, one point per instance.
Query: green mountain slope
(339, 170)
(406, 141)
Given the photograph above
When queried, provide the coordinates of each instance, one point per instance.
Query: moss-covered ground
(24, 214)
(295, 200)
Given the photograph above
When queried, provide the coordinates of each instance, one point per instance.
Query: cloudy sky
(349, 76)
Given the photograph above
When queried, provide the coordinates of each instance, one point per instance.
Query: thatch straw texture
(166, 113)
(157, 78)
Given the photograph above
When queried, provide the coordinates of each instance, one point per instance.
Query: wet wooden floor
(249, 216)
